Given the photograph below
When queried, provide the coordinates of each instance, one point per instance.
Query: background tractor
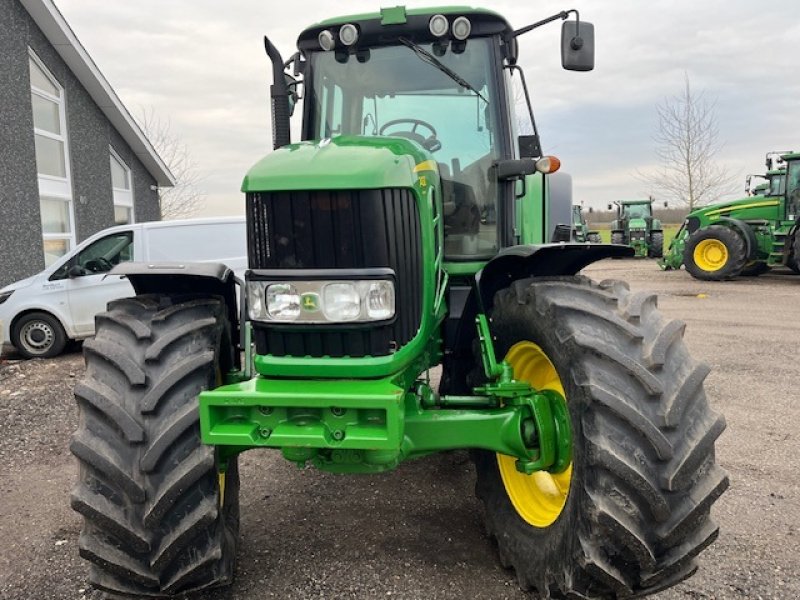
(636, 227)
(746, 236)
(400, 233)
(580, 230)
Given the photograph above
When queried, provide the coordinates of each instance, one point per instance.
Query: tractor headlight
(341, 301)
(283, 302)
(323, 301)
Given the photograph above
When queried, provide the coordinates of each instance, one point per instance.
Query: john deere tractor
(746, 236)
(636, 227)
(398, 234)
(580, 230)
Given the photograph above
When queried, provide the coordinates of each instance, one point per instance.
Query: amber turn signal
(548, 164)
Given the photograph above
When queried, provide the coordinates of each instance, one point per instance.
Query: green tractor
(580, 230)
(636, 227)
(746, 236)
(399, 234)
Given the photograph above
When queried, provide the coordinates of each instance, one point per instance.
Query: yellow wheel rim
(710, 255)
(540, 497)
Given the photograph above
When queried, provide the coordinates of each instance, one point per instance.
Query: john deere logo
(310, 302)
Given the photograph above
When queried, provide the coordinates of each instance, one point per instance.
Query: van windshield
(99, 257)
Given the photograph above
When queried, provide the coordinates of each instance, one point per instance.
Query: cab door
(89, 286)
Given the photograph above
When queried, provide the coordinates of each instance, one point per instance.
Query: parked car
(43, 312)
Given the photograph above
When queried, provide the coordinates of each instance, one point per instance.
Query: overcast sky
(200, 64)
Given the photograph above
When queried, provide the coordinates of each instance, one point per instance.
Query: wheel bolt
(338, 435)
(264, 432)
(337, 411)
(265, 410)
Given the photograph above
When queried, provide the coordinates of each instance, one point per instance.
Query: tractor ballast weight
(747, 236)
(404, 231)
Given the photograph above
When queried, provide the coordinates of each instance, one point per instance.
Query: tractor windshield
(636, 211)
(777, 184)
(390, 91)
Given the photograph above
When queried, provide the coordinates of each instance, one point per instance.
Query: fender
(745, 230)
(511, 264)
(213, 279)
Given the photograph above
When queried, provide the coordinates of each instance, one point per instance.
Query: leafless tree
(186, 198)
(687, 145)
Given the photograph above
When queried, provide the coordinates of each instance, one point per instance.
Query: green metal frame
(371, 425)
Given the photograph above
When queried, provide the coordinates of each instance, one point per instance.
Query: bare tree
(687, 145)
(185, 199)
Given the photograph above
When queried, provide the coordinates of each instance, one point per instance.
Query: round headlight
(326, 40)
(461, 28)
(438, 25)
(283, 302)
(348, 34)
(341, 302)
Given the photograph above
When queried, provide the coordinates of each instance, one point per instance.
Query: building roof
(60, 35)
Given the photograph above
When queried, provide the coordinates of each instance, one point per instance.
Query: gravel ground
(417, 532)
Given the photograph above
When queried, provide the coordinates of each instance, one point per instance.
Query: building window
(52, 161)
(123, 190)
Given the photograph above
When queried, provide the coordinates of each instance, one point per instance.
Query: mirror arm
(562, 15)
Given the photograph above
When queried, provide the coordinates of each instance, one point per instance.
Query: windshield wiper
(429, 58)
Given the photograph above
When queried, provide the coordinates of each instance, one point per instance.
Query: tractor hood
(749, 204)
(343, 162)
(637, 224)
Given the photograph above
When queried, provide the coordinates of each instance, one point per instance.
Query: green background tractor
(636, 227)
(401, 233)
(746, 236)
(580, 230)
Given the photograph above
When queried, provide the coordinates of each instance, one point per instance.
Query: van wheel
(38, 335)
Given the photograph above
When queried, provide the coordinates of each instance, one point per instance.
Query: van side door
(89, 287)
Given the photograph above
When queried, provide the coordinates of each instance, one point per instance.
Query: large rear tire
(794, 256)
(633, 512)
(715, 253)
(160, 512)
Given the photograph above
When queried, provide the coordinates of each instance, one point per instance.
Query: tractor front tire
(161, 512)
(656, 249)
(617, 237)
(632, 512)
(594, 238)
(715, 253)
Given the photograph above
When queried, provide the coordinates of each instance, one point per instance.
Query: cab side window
(99, 257)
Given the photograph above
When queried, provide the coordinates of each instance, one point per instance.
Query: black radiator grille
(351, 229)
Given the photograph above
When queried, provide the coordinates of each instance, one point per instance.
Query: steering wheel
(430, 143)
(99, 264)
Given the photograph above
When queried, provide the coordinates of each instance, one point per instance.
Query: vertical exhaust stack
(279, 93)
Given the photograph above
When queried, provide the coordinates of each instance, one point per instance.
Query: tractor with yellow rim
(746, 236)
(403, 231)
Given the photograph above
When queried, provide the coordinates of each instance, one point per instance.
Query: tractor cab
(442, 81)
(790, 182)
(635, 226)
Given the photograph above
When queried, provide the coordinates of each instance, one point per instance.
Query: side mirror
(75, 271)
(529, 146)
(577, 46)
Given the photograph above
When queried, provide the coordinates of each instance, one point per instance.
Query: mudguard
(511, 264)
(745, 230)
(214, 279)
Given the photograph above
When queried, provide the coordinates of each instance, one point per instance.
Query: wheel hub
(37, 336)
(538, 497)
(710, 255)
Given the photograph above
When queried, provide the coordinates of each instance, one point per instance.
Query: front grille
(350, 229)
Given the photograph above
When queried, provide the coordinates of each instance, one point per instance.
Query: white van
(41, 313)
